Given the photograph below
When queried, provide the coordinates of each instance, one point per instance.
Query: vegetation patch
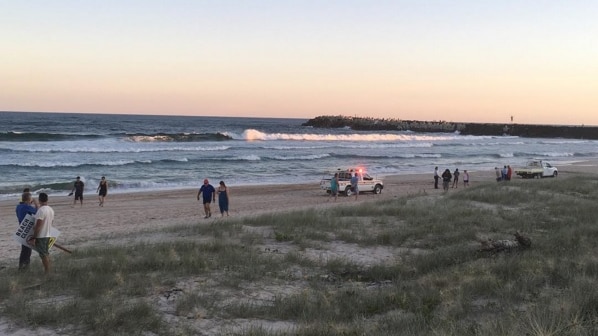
(410, 266)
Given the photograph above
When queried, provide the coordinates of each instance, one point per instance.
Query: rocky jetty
(522, 130)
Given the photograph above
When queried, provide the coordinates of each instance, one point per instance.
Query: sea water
(46, 151)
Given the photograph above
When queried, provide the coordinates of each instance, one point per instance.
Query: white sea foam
(253, 135)
(250, 157)
(301, 157)
(554, 154)
(148, 138)
(90, 148)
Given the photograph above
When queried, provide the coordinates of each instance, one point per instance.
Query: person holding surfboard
(44, 217)
(78, 187)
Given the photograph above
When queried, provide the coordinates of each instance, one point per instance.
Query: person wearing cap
(78, 187)
(208, 193)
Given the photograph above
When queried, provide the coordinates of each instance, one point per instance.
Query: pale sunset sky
(461, 60)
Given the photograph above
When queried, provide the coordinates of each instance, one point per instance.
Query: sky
(460, 60)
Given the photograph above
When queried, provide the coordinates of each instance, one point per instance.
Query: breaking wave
(255, 135)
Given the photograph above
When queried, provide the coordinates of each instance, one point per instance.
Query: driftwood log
(520, 242)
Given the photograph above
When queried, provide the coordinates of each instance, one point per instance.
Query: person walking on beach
(223, 198)
(509, 172)
(44, 217)
(446, 179)
(208, 193)
(465, 178)
(27, 206)
(498, 174)
(456, 178)
(334, 187)
(436, 177)
(102, 190)
(78, 187)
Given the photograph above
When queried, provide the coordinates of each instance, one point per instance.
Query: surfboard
(25, 232)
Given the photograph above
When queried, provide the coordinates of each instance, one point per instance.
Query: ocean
(46, 151)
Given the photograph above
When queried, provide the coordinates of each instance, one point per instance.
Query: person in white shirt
(436, 178)
(465, 178)
(41, 231)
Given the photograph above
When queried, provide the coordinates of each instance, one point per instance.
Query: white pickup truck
(366, 182)
(537, 168)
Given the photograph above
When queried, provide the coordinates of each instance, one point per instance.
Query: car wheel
(377, 189)
(555, 174)
(348, 191)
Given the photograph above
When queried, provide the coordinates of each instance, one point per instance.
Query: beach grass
(409, 266)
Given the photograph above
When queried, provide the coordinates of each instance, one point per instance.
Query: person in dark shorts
(78, 187)
(44, 217)
(456, 178)
(208, 193)
(102, 190)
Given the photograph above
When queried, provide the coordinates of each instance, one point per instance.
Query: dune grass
(301, 273)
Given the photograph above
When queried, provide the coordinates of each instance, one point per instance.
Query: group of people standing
(503, 174)
(334, 186)
(208, 195)
(44, 215)
(41, 238)
(447, 177)
(44, 218)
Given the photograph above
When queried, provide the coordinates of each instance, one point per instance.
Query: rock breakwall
(522, 130)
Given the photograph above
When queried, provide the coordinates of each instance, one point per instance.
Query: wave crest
(178, 137)
(253, 135)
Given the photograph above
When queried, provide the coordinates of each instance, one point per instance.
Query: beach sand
(131, 212)
(135, 212)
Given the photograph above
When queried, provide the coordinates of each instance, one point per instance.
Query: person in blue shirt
(355, 184)
(334, 187)
(208, 193)
(27, 206)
